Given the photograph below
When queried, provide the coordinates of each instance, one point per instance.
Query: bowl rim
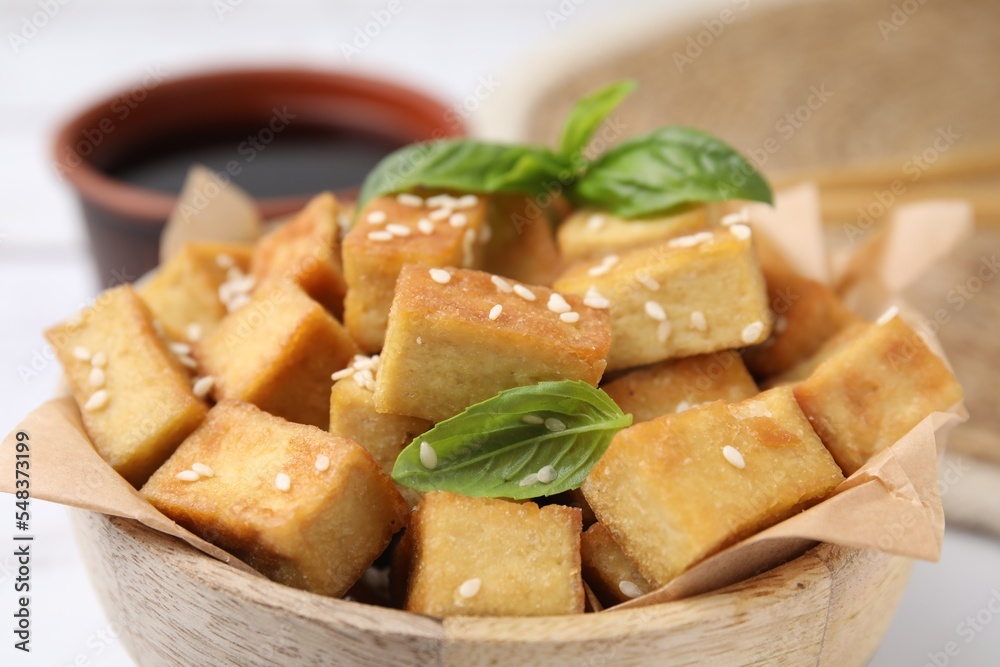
(150, 207)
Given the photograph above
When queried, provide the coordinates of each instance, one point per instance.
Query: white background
(89, 48)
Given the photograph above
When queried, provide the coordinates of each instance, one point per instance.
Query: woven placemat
(880, 92)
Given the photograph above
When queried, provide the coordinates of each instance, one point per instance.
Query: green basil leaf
(588, 114)
(464, 165)
(665, 169)
(489, 449)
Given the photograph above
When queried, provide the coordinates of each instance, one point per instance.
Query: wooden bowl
(172, 605)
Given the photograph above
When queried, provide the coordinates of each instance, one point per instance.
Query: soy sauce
(275, 161)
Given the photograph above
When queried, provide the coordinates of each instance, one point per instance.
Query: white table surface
(88, 48)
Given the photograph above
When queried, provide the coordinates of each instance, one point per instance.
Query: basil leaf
(588, 114)
(665, 169)
(464, 165)
(487, 450)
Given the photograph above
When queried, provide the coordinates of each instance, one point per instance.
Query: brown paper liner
(892, 504)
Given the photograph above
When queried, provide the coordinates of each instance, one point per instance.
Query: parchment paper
(892, 504)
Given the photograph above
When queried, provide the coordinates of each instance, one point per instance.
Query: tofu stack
(260, 395)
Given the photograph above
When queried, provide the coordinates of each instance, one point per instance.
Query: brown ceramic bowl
(125, 217)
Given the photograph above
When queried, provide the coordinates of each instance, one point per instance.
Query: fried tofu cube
(489, 557)
(306, 250)
(676, 385)
(691, 295)
(871, 392)
(589, 234)
(457, 337)
(278, 352)
(522, 245)
(184, 293)
(607, 570)
(304, 507)
(807, 313)
(832, 346)
(680, 488)
(135, 398)
(391, 232)
(353, 415)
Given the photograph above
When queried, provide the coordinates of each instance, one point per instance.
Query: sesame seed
(604, 266)
(203, 385)
(81, 353)
(420, 341)
(344, 373)
(380, 235)
(655, 311)
(397, 229)
(441, 200)
(524, 292)
(425, 226)
(458, 220)
(370, 385)
(547, 474)
(780, 324)
(97, 401)
(187, 361)
(282, 481)
(96, 378)
(99, 360)
(648, 281)
(202, 470)
(440, 276)
(406, 199)
(224, 260)
(440, 214)
(495, 311)
(180, 348)
(594, 299)
(751, 332)
(466, 201)
(532, 419)
(571, 317)
(428, 457)
(237, 302)
(698, 321)
(682, 406)
(376, 217)
(734, 457)
(188, 476)
(557, 303)
(469, 588)
(691, 240)
(528, 480)
(885, 317)
(740, 231)
(629, 590)
(595, 221)
(194, 332)
(554, 425)
(743, 215)
(322, 463)
(663, 331)
(501, 284)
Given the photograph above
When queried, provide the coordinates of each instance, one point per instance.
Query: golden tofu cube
(807, 313)
(676, 385)
(353, 415)
(185, 290)
(278, 352)
(489, 557)
(590, 234)
(444, 350)
(691, 295)
(832, 346)
(522, 246)
(135, 398)
(871, 392)
(680, 488)
(607, 570)
(306, 508)
(389, 234)
(306, 250)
